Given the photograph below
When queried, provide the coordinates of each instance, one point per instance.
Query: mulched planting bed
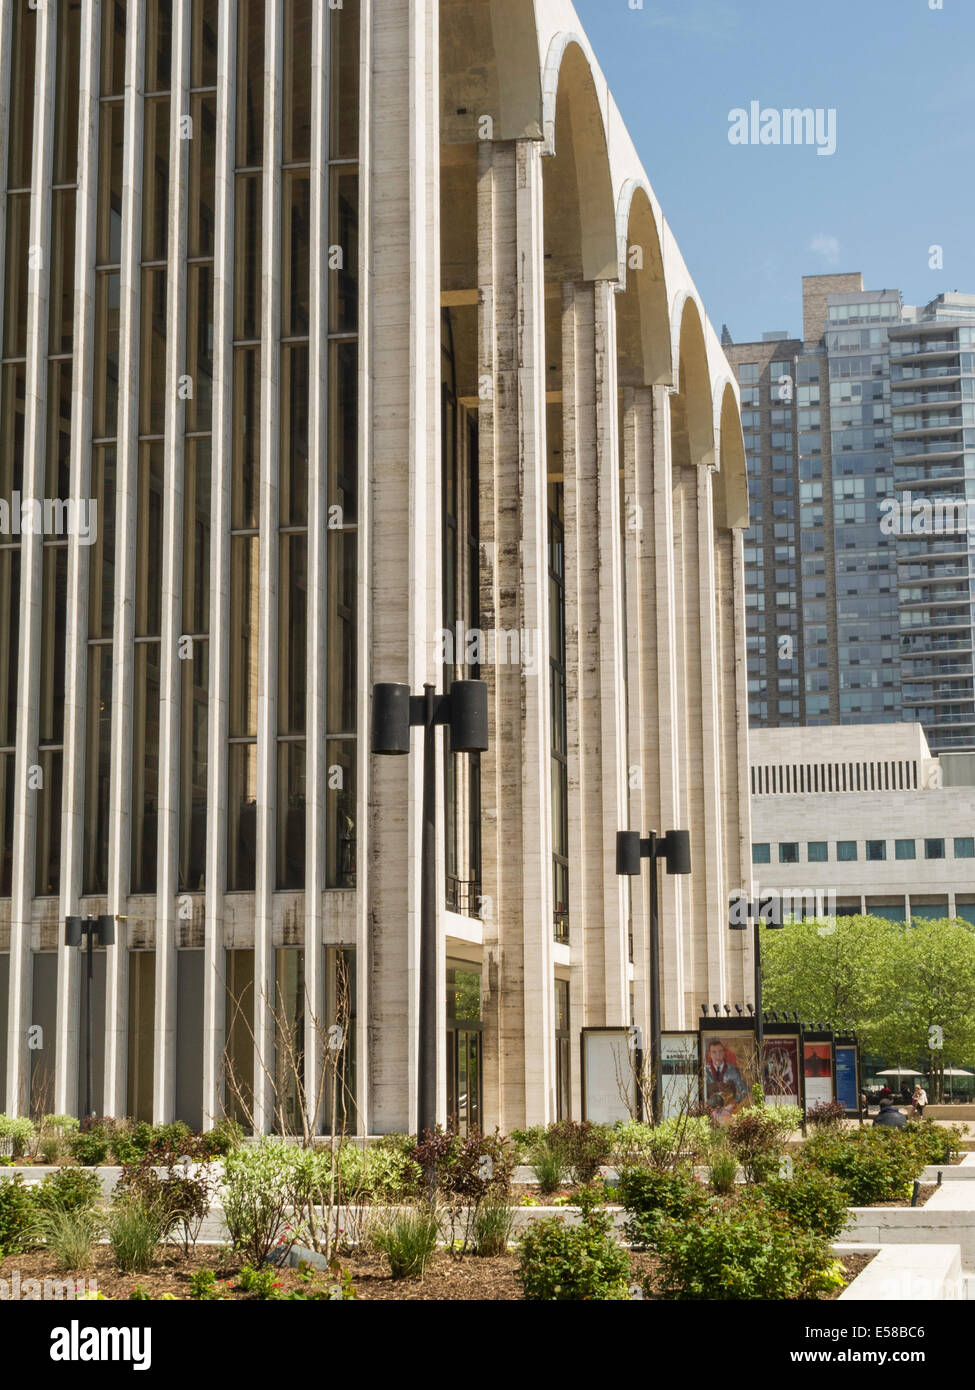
(170, 1274)
(924, 1192)
(446, 1280)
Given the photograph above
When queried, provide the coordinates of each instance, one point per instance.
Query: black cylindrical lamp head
(628, 852)
(106, 931)
(72, 931)
(678, 851)
(468, 717)
(390, 718)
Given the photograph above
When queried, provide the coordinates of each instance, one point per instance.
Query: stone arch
(580, 209)
(489, 66)
(731, 482)
(642, 315)
(692, 407)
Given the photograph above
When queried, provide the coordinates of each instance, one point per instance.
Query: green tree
(933, 987)
(839, 971)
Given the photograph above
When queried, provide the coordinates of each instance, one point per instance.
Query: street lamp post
(89, 927)
(675, 848)
(394, 711)
(764, 911)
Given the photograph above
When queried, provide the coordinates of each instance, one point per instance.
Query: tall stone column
(399, 526)
(712, 929)
(733, 698)
(653, 708)
(595, 655)
(516, 771)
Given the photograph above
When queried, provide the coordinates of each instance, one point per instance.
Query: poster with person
(781, 1076)
(728, 1071)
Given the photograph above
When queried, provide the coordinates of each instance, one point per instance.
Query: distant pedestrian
(919, 1100)
(890, 1117)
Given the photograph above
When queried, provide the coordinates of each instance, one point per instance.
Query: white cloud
(826, 246)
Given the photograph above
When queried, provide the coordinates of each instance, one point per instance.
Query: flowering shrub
(557, 1262)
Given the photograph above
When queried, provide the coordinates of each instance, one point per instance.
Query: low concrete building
(866, 816)
(389, 345)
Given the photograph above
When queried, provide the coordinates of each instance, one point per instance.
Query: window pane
(152, 388)
(21, 109)
(196, 537)
(292, 633)
(13, 390)
(876, 850)
(194, 675)
(204, 59)
(98, 769)
(54, 607)
(789, 853)
(244, 581)
(47, 867)
(199, 347)
(111, 117)
(904, 849)
(16, 275)
(113, 48)
(934, 849)
(297, 81)
(247, 440)
(203, 173)
(145, 767)
(343, 298)
(242, 817)
(761, 854)
(293, 495)
(344, 80)
(340, 814)
(159, 45)
(343, 358)
(846, 850)
(295, 264)
(101, 556)
(62, 272)
(250, 83)
(818, 852)
(7, 776)
(965, 847)
(148, 584)
(247, 258)
(341, 633)
(105, 404)
(155, 175)
(291, 815)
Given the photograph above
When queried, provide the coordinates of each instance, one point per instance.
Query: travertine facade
(539, 436)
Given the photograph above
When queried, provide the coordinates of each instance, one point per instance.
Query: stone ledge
(908, 1274)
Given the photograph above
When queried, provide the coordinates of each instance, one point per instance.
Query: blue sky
(751, 221)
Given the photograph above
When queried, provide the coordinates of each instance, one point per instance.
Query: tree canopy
(888, 982)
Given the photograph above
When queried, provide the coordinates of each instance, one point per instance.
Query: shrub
(651, 1196)
(18, 1217)
(548, 1165)
(258, 1281)
(469, 1170)
(408, 1239)
(90, 1147)
(181, 1197)
(934, 1143)
(492, 1227)
(224, 1137)
(17, 1133)
(63, 1125)
(50, 1148)
(69, 1189)
(69, 1233)
(723, 1171)
(524, 1141)
(674, 1143)
(261, 1183)
(756, 1136)
(743, 1251)
(204, 1286)
(873, 1165)
(826, 1114)
(560, 1262)
(134, 1229)
(812, 1200)
(585, 1147)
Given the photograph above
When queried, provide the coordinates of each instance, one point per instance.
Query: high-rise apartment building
(360, 324)
(852, 617)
